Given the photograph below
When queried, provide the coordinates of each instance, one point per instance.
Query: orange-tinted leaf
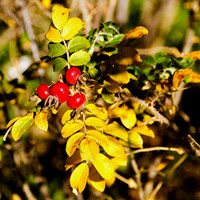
(104, 166)
(53, 35)
(195, 55)
(71, 127)
(73, 160)
(41, 120)
(116, 130)
(79, 177)
(89, 149)
(73, 142)
(60, 16)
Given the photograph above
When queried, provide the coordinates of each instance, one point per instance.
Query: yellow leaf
(98, 136)
(104, 166)
(120, 76)
(79, 177)
(73, 160)
(12, 121)
(144, 130)
(41, 120)
(116, 130)
(73, 142)
(71, 127)
(195, 55)
(126, 114)
(89, 149)
(53, 35)
(99, 112)
(95, 122)
(60, 16)
(74, 25)
(136, 33)
(120, 160)
(66, 116)
(46, 3)
(135, 139)
(96, 180)
(21, 126)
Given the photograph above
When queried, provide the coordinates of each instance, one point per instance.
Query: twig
(178, 150)
(28, 192)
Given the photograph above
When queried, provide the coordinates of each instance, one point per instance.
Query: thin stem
(67, 53)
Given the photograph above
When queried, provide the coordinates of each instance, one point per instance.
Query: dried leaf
(73, 160)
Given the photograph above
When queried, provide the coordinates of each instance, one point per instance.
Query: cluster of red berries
(60, 90)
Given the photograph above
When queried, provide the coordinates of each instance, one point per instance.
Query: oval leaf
(135, 139)
(73, 142)
(116, 130)
(71, 127)
(21, 126)
(79, 58)
(41, 120)
(77, 43)
(59, 63)
(144, 130)
(95, 122)
(66, 116)
(73, 26)
(79, 177)
(60, 16)
(53, 35)
(89, 149)
(104, 166)
(56, 49)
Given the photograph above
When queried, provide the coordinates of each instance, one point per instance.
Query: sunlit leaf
(96, 180)
(136, 33)
(71, 127)
(53, 35)
(73, 26)
(12, 121)
(144, 130)
(99, 112)
(60, 16)
(77, 43)
(41, 120)
(126, 114)
(116, 130)
(79, 58)
(120, 76)
(95, 122)
(108, 97)
(120, 160)
(104, 166)
(135, 139)
(98, 136)
(59, 63)
(56, 49)
(89, 149)
(21, 126)
(73, 143)
(66, 116)
(73, 160)
(79, 177)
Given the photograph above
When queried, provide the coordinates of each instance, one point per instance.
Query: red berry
(72, 75)
(60, 90)
(76, 100)
(43, 91)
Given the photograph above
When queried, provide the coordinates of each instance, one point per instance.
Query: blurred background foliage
(33, 168)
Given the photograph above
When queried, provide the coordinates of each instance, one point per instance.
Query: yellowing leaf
(126, 114)
(79, 177)
(120, 76)
(73, 142)
(66, 116)
(60, 16)
(135, 139)
(95, 122)
(73, 160)
(71, 127)
(120, 160)
(104, 166)
(21, 126)
(89, 149)
(136, 33)
(96, 180)
(111, 85)
(12, 121)
(144, 130)
(99, 112)
(41, 120)
(74, 25)
(116, 130)
(53, 35)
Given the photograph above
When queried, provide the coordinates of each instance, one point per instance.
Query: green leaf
(56, 50)
(59, 63)
(79, 58)
(108, 97)
(21, 126)
(77, 43)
